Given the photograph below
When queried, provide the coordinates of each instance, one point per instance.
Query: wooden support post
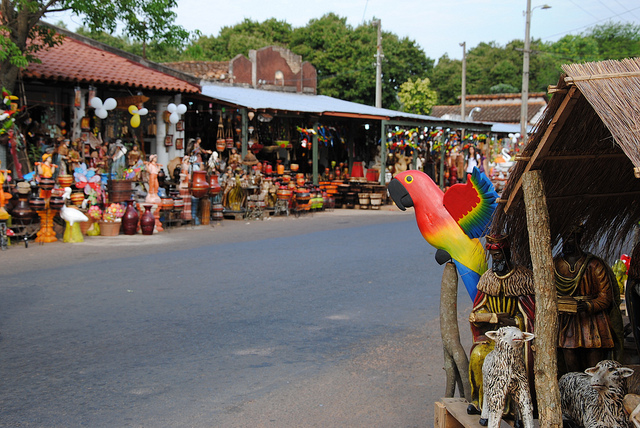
(546, 322)
(457, 362)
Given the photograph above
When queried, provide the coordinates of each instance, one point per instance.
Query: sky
(438, 27)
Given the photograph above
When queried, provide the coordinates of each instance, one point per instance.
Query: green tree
(417, 96)
(345, 63)
(446, 80)
(617, 40)
(23, 36)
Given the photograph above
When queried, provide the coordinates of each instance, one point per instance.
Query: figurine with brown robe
(589, 317)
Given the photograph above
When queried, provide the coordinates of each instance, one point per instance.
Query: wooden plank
(443, 418)
(548, 139)
(452, 413)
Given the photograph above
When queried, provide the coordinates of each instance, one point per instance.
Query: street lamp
(472, 111)
(525, 70)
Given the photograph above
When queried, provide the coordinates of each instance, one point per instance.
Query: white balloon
(101, 113)
(143, 111)
(171, 108)
(174, 118)
(96, 102)
(110, 104)
(182, 109)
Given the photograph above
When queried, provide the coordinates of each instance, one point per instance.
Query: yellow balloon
(135, 120)
(133, 109)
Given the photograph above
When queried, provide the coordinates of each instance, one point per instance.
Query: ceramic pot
(221, 144)
(218, 212)
(22, 214)
(56, 202)
(46, 183)
(109, 228)
(65, 180)
(199, 185)
(229, 143)
(37, 204)
(214, 185)
(77, 198)
(130, 219)
(147, 221)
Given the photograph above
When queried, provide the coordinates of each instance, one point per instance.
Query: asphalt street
(330, 319)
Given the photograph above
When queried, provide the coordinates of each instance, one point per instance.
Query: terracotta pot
(147, 221)
(214, 185)
(85, 225)
(46, 183)
(229, 143)
(218, 212)
(199, 185)
(130, 219)
(109, 228)
(37, 204)
(22, 213)
(65, 180)
(77, 199)
(56, 202)
(221, 144)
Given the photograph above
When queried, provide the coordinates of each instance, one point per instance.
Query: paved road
(326, 320)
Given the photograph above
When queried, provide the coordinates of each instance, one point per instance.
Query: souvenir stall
(569, 208)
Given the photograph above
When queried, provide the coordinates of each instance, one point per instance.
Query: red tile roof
(503, 108)
(79, 62)
(207, 70)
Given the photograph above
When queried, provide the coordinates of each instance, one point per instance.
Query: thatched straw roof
(586, 146)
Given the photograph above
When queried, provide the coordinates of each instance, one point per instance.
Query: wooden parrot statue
(452, 221)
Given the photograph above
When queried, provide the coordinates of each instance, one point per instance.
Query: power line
(590, 25)
(365, 10)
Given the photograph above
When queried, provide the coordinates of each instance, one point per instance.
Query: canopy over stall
(586, 145)
(319, 105)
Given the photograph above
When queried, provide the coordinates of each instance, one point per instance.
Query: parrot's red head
(410, 187)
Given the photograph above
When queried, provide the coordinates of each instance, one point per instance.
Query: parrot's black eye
(408, 179)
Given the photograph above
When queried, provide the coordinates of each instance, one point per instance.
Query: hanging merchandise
(229, 135)
(220, 141)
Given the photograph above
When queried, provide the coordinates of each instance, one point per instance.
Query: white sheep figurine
(504, 374)
(593, 399)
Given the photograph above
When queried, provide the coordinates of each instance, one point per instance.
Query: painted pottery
(130, 219)
(147, 221)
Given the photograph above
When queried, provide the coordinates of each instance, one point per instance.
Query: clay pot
(147, 221)
(221, 144)
(65, 180)
(214, 185)
(37, 204)
(109, 228)
(199, 185)
(56, 202)
(77, 199)
(46, 183)
(130, 219)
(22, 214)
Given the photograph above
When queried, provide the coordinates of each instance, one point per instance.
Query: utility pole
(379, 57)
(524, 109)
(464, 80)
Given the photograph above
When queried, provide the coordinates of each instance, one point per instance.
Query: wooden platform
(452, 413)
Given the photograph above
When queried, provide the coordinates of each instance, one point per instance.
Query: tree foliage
(23, 36)
(344, 56)
(417, 96)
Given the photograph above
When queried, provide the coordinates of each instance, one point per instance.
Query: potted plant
(111, 220)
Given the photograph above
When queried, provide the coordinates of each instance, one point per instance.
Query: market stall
(580, 166)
